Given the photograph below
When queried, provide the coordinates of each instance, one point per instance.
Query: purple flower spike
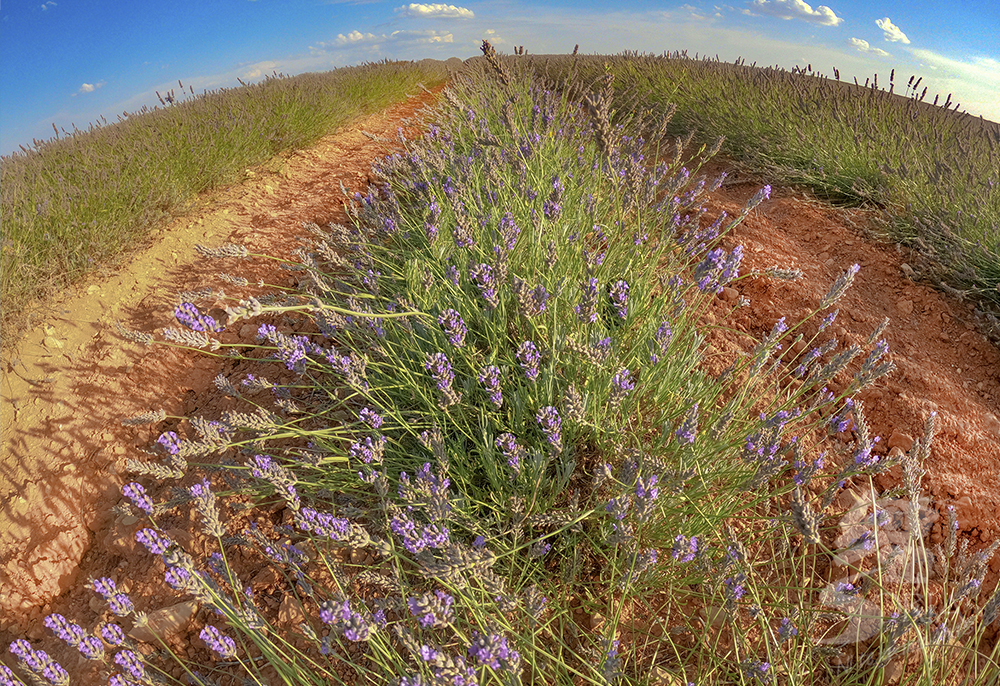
(131, 662)
(490, 378)
(137, 494)
(529, 357)
(548, 418)
(219, 642)
(454, 327)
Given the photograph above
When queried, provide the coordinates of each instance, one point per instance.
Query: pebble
(900, 440)
(166, 622)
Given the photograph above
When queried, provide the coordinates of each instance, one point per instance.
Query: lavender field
(501, 457)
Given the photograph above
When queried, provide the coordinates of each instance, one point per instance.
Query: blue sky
(70, 61)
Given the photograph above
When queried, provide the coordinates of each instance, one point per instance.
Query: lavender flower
(121, 604)
(482, 275)
(687, 430)
(219, 642)
(530, 301)
(205, 502)
(493, 650)
(646, 492)
(621, 385)
(64, 629)
(685, 549)
(137, 494)
(529, 357)
(548, 419)
(355, 626)
(756, 669)
(586, 311)
(440, 368)
(368, 451)
(154, 541)
(105, 586)
(618, 295)
(490, 378)
(417, 538)
(509, 231)
(839, 287)
(131, 662)
(432, 609)
(371, 418)
(188, 315)
(324, 524)
(661, 341)
(91, 648)
(511, 450)
(169, 441)
(40, 663)
(113, 634)
(454, 327)
(787, 629)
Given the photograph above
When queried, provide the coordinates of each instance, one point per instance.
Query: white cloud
(891, 32)
(47, 5)
(89, 88)
(355, 37)
(257, 70)
(416, 9)
(863, 46)
(798, 9)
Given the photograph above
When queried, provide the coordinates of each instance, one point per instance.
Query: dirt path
(67, 387)
(64, 447)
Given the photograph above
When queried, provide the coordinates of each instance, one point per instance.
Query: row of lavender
(502, 415)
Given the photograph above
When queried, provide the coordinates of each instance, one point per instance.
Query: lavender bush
(502, 462)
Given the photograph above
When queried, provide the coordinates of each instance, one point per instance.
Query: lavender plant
(533, 479)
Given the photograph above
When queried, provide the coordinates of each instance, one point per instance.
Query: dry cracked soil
(73, 378)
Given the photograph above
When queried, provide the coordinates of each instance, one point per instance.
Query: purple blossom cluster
(530, 301)
(137, 494)
(548, 418)
(440, 368)
(529, 357)
(324, 524)
(432, 610)
(490, 378)
(355, 626)
(660, 343)
(189, 315)
(621, 385)
(39, 662)
(493, 649)
(618, 295)
(482, 275)
(687, 430)
(718, 269)
(369, 450)
(221, 644)
(685, 549)
(416, 537)
(371, 418)
(510, 448)
(427, 490)
(119, 602)
(451, 321)
(292, 350)
(586, 310)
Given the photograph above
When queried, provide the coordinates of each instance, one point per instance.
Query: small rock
(166, 622)
(900, 440)
(730, 295)
(714, 615)
(290, 613)
(905, 306)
